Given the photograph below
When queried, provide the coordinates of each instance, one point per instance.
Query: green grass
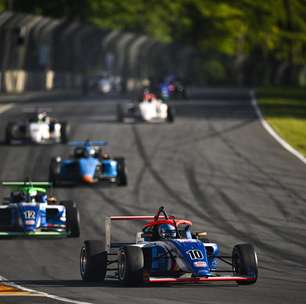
(286, 113)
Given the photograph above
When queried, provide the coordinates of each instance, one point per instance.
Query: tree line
(243, 41)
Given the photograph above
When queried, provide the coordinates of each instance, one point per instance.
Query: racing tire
(121, 172)
(244, 261)
(65, 130)
(93, 261)
(54, 171)
(72, 219)
(131, 265)
(170, 114)
(120, 113)
(8, 133)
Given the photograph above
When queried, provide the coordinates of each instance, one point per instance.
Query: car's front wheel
(244, 261)
(93, 261)
(131, 265)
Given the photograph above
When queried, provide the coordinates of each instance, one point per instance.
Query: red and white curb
(270, 130)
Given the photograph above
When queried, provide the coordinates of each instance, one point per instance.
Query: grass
(285, 111)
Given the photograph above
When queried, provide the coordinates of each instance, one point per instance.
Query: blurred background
(66, 43)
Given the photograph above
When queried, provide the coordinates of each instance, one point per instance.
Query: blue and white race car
(165, 251)
(30, 212)
(88, 164)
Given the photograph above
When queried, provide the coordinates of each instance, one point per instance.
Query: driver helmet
(89, 151)
(42, 116)
(30, 197)
(167, 231)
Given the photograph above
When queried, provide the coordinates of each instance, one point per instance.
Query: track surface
(215, 165)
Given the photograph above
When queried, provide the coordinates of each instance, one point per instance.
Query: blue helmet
(167, 231)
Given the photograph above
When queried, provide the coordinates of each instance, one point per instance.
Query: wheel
(120, 113)
(65, 130)
(8, 133)
(170, 114)
(72, 219)
(54, 171)
(93, 261)
(244, 260)
(121, 172)
(131, 265)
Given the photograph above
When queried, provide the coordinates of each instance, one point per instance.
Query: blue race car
(88, 164)
(30, 212)
(165, 251)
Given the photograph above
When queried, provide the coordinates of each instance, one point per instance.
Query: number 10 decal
(195, 254)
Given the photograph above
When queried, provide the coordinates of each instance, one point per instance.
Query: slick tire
(131, 265)
(170, 114)
(54, 172)
(93, 261)
(244, 261)
(122, 179)
(65, 130)
(8, 133)
(72, 219)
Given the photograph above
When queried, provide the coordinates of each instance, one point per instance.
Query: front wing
(34, 234)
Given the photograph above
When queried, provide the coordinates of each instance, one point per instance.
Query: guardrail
(40, 53)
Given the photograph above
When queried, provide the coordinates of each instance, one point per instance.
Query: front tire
(54, 171)
(65, 130)
(93, 261)
(8, 133)
(131, 265)
(244, 260)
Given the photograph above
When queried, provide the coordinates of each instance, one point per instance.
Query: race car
(39, 128)
(30, 212)
(88, 164)
(172, 88)
(149, 109)
(165, 251)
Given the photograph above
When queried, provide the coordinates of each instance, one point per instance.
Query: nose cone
(87, 179)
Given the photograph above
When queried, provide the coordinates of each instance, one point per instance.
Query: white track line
(269, 129)
(6, 107)
(3, 280)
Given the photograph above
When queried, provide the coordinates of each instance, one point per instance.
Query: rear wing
(81, 143)
(108, 226)
(27, 184)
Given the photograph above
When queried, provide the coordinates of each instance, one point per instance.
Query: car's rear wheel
(120, 113)
(65, 130)
(8, 133)
(244, 260)
(170, 114)
(72, 219)
(93, 261)
(131, 265)
(121, 172)
(54, 171)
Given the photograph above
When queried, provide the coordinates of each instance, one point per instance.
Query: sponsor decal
(200, 264)
(30, 222)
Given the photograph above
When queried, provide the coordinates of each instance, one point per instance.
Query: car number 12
(29, 214)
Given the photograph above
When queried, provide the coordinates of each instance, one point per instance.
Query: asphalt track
(215, 165)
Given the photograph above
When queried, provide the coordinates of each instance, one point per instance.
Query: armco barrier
(40, 53)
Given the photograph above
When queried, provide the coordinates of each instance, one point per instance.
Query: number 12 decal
(29, 214)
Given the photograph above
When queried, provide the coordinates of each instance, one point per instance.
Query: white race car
(39, 129)
(150, 109)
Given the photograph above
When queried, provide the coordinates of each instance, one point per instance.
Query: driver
(167, 232)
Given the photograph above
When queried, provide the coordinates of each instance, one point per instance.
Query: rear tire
(54, 171)
(120, 113)
(72, 219)
(65, 130)
(121, 172)
(170, 114)
(131, 265)
(93, 261)
(8, 133)
(244, 260)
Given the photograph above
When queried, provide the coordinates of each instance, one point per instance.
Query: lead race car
(30, 212)
(38, 128)
(88, 164)
(165, 251)
(149, 109)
